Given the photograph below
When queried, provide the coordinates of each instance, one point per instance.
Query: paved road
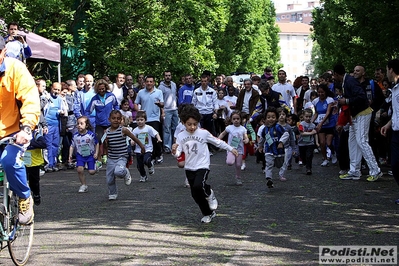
(158, 223)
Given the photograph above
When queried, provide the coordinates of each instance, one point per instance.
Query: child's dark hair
(182, 106)
(114, 112)
(141, 114)
(294, 118)
(189, 111)
(236, 113)
(300, 113)
(307, 110)
(87, 121)
(325, 88)
(244, 115)
(259, 118)
(313, 94)
(271, 109)
(281, 109)
(123, 102)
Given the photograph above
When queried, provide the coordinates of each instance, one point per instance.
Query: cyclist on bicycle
(19, 114)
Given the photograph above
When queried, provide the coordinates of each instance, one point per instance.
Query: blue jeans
(169, 126)
(115, 168)
(143, 159)
(15, 170)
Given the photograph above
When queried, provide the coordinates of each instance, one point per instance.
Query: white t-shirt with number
(236, 137)
(195, 148)
(145, 136)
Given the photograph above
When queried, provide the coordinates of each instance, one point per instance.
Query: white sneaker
(113, 197)
(324, 163)
(316, 151)
(128, 178)
(159, 159)
(243, 166)
(143, 178)
(186, 184)
(151, 170)
(207, 219)
(334, 158)
(41, 172)
(212, 201)
(83, 189)
(238, 182)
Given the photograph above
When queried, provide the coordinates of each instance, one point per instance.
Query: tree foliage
(356, 32)
(105, 37)
(250, 39)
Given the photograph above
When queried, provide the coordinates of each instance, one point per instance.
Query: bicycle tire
(19, 247)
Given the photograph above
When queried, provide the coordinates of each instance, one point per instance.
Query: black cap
(2, 43)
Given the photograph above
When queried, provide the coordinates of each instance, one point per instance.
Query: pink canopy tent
(43, 49)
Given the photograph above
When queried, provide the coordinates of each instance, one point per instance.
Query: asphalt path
(158, 223)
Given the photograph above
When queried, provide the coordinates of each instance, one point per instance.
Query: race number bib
(85, 150)
(143, 137)
(235, 141)
(320, 118)
(269, 139)
(27, 158)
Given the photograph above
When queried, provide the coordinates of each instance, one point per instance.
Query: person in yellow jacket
(19, 114)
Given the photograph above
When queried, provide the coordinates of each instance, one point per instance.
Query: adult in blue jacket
(103, 103)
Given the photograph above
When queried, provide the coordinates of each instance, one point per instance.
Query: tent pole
(59, 72)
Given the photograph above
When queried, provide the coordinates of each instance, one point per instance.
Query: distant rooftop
(294, 28)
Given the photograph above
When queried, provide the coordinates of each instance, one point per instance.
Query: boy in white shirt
(193, 142)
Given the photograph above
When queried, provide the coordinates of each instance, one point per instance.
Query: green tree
(356, 32)
(249, 41)
(104, 37)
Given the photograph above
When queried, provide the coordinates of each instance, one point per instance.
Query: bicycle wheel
(19, 247)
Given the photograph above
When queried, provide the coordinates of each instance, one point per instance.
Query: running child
(273, 138)
(248, 147)
(293, 121)
(193, 142)
(260, 155)
(237, 136)
(115, 144)
(33, 159)
(87, 148)
(179, 128)
(307, 131)
(289, 146)
(145, 134)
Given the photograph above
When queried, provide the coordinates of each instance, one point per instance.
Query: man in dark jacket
(270, 97)
(355, 97)
(248, 100)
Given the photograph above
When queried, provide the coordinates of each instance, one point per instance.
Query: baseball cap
(2, 43)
